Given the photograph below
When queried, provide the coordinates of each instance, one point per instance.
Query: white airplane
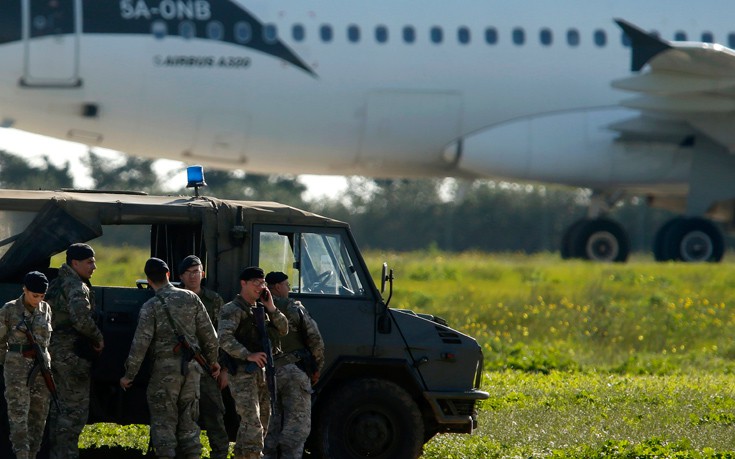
(526, 91)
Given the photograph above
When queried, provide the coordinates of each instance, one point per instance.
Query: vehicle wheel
(661, 252)
(695, 240)
(369, 418)
(601, 240)
(567, 245)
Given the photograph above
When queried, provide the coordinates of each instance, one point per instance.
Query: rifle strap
(169, 316)
(184, 360)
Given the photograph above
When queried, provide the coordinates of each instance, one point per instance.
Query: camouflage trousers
(173, 401)
(291, 423)
(27, 406)
(72, 376)
(252, 401)
(212, 417)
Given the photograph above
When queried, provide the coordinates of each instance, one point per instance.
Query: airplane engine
(577, 148)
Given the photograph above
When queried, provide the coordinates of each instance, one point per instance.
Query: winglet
(645, 46)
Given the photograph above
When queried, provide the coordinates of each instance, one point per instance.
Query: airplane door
(51, 30)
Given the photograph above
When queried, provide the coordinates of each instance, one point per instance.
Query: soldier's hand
(215, 370)
(125, 383)
(99, 346)
(267, 300)
(222, 379)
(259, 358)
(315, 378)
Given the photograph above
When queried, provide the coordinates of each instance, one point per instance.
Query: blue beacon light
(195, 178)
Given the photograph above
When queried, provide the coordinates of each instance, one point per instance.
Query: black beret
(79, 251)
(274, 277)
(251, 272)
(155, 266)
(36, 282)
(188, 262)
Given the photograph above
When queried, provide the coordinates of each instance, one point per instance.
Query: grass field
(581, 359)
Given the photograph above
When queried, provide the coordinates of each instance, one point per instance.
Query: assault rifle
(39, 365)
(189, 352)
(270, 367)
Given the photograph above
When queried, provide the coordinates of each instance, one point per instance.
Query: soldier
(297, 369)
(76, 341)
(211, 406)
(28, 404)
(175, 325)
(239, 337)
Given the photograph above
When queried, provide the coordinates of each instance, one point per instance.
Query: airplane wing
(688, 87)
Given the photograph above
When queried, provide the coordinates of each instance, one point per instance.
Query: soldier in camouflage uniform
(75, 342)
(238, 336)
(297, 369)
(173, 389)
(211, 406)
(27, 405)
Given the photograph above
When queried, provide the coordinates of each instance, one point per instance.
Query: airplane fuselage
(319, 87)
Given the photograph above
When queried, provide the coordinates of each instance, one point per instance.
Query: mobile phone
(264, 295)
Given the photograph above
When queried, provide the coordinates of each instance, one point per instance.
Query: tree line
(384, 214)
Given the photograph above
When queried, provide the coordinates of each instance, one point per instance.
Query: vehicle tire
(601, 240)
(567, 245)
(661, 252)
(369, 418)
(695, 240)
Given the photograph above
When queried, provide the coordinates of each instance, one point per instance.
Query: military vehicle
(392, 379)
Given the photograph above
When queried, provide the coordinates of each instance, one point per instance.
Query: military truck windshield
(315, 262)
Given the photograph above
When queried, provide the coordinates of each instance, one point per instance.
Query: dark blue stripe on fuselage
(145, 17)
(10, 21)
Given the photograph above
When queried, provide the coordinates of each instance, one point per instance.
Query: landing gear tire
(596, 240)
(689, 239)
(369, 418)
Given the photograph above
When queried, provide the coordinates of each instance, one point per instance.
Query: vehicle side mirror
(383, 275)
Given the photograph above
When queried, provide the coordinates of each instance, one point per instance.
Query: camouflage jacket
(236, 319)
(302, 330)
(212, 303)
(39, 321)
(72, 303)
(154, 329)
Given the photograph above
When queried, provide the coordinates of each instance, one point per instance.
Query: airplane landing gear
(691, 239)
(597, 239)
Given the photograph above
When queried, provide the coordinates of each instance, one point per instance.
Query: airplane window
(545, 37)
(381, 34)
(600, 38)
(243, 32)
(708, 37)
(187, 29)
(159, 29)
(409, 34)
(298, 32)
(519, 36)
(463, 35)
(436, 34)
(731, 40)
(625, 40)
(353, 33)
(573, 37)
(215, 30)
(270, 33)
(491, 36)
(680, 36)
(325, 32)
